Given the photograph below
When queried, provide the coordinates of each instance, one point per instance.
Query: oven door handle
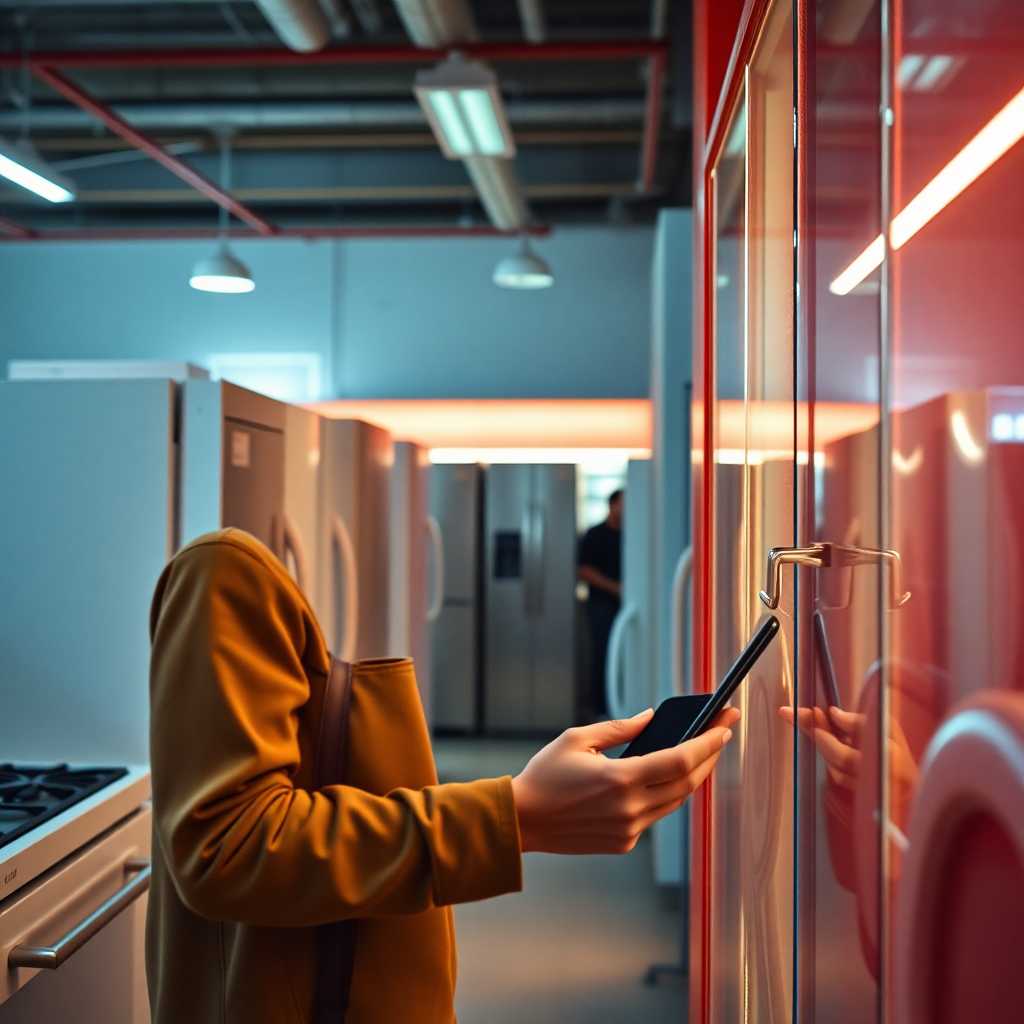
(51, 957)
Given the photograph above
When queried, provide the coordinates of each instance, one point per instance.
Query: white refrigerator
(416, 564)
(102, 480)
(351, 578)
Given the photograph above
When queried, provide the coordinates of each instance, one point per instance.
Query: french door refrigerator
(352, 578)
(456, 496)
(530, 566)
(415, 564)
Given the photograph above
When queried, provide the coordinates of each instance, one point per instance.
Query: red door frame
(714, 26)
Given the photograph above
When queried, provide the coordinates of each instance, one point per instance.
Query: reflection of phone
(681, 718)
(825, 662)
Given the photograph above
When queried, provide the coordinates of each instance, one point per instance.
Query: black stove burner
(31, 795)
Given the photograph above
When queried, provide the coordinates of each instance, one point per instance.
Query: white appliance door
(301, 480)
(104, 981)
(355, 461)
(455, 493)
(86, 527)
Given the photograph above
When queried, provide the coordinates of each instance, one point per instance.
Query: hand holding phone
(682, 718)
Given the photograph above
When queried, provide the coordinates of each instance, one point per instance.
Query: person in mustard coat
(305, 859)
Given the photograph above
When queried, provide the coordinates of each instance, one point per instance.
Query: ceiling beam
(308, 234)
(70, 91)
(218, 58)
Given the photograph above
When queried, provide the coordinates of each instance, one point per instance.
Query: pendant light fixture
(223, 272)
(525, 270)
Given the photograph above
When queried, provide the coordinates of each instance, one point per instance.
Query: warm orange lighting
(506, 423)
(998, 136)
(771, 423)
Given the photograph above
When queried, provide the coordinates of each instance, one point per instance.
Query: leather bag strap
(335, 942)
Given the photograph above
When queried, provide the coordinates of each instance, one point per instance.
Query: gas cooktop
(30, 795)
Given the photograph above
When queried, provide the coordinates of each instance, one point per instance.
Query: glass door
(753, 479)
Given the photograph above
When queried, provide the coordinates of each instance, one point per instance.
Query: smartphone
(681, 718)
(825, 662)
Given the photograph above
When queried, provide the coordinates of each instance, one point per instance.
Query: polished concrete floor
(574, 946)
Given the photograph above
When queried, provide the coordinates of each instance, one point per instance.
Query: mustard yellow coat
(248, 857)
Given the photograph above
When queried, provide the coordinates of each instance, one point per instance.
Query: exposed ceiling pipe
(300, 24)
(531, 13)
(87, 234)
(368, 14)
(437, 23)
(302, 114)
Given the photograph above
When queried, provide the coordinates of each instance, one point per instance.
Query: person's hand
(838, 736)
(570, 798)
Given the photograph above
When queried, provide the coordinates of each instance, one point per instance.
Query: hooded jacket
(250, 857)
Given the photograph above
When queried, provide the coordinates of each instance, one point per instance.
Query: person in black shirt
(600, 567)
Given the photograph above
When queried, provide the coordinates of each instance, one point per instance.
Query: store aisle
(573, 947)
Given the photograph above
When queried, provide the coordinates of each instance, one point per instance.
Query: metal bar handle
(437, 547)
(49, 958)
(842, 555)
(832, 556)
(813, 555)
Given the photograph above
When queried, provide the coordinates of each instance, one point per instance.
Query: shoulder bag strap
(335, 942)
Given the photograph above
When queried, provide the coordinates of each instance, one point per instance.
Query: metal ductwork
(300, 24)
(307, 114)
(531, 14)
(498, 188)
(437, 23)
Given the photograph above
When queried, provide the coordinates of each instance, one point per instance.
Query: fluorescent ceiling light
(998, 136)
(463, 106)
(909, 66)
(933, 73)
(222, 272)
(525, 270)
(21, 164)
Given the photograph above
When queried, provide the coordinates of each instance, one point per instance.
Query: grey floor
(573, 947)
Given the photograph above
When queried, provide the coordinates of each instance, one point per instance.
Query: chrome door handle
(847, 555)
(49, 958)
(832, 556)
(812, 555)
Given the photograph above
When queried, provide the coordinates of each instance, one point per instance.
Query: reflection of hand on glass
(838, 737)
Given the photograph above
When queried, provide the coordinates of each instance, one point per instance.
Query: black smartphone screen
(681, 718)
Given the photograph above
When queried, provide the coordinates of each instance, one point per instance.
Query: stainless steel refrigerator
(530, 580)
(456, 493)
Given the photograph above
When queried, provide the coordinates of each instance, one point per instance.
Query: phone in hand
(681, 718)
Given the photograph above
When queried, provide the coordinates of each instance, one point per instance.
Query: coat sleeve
(242, 842)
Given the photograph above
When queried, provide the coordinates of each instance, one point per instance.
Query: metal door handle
(680, 581)
(291, 543)
(49, 958)
(832, 556)
(540, 565)
(437, 546)
(345, 640)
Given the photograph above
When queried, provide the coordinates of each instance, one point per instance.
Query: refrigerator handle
(526, 554)
(541, 556)
(291, 544)
(345, 634)
(680, 581)
(437, 545)
(614, 690)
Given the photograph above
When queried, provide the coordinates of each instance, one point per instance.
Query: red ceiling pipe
(150, 147)
(652, 120)
(219, 58)
(11, 230)
(308, 234)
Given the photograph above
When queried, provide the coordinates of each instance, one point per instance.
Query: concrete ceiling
(337, 144)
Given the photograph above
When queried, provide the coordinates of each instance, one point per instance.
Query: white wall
(389, 318)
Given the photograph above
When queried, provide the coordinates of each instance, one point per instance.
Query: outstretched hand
(570, 798)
